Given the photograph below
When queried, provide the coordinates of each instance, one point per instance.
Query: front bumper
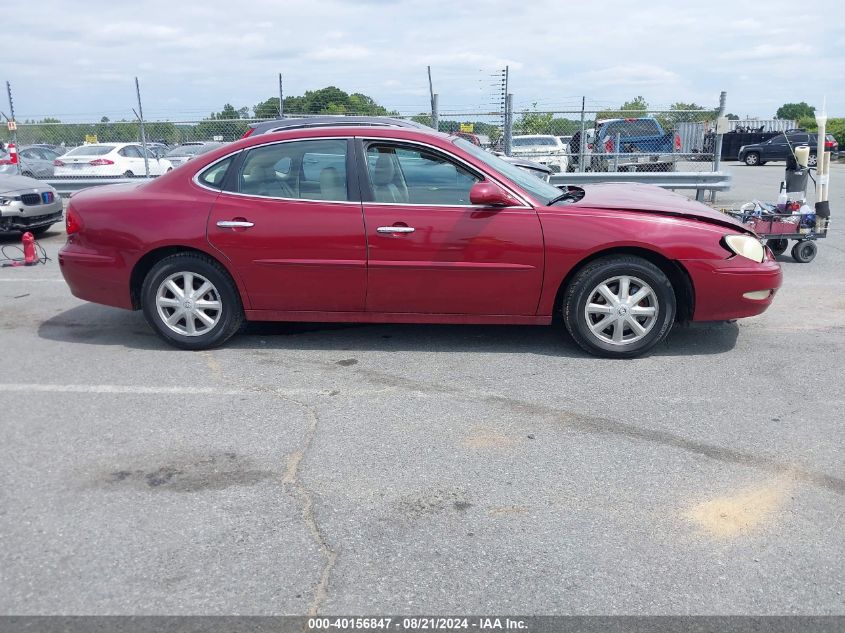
(721, 287)
(18, 216)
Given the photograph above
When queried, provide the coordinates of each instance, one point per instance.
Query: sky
(77, 60)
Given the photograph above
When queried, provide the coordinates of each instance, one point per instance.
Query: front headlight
(746, 246)
(5, 201)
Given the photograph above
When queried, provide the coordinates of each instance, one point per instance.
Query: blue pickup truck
(643, 146)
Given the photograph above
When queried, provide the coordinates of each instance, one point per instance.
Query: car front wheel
(619, 306)
(752, 159)
(191, 302)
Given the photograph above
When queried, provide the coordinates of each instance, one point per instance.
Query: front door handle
(395, 229)
(235, 224)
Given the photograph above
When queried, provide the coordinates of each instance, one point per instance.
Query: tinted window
(637, 127)
(410, 175)
(533, 140)
(130, 151)
(90, 150)
(214, 175)
(310, 170)
(779, 140)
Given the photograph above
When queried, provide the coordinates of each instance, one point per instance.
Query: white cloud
(770, 52)
(632, 75)
(202, 53)
(339, 53)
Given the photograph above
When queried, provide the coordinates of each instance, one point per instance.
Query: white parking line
(118, 389)
(27, 387)
(31, 280)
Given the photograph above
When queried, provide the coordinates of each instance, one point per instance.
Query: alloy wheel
(188, 304)
(621, 310)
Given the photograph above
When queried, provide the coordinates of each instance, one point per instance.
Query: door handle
(395, 229)
(235, 224)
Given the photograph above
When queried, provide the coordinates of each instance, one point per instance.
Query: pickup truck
(643, 146)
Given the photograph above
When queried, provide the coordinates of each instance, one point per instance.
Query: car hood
(9, 184)
(651, 199)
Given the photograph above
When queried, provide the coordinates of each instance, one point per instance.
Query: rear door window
(313, 169)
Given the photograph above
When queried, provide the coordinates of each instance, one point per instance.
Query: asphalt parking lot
(364, 469)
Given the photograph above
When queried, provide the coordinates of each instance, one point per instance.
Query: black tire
(804, 251)
(812, 160)
(231, 314)
(28, 174)
(584, 284)
(128, 174)
(752, 159)
(778, 246)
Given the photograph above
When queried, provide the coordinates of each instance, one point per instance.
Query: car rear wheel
(619, 306)
(752, 159)
(812, 161)
(128, 174)
(191, 302)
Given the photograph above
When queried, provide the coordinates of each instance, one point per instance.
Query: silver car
(28, 205)
(36, 162)
(183, 153)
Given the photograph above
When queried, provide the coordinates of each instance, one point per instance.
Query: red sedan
(400, 225)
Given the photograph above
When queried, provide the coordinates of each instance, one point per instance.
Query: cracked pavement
(362, 469)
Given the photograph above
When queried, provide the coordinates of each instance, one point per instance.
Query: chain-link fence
(571, 141)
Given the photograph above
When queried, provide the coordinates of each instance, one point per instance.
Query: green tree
(637, 106)
(268, 109)
(795, 111)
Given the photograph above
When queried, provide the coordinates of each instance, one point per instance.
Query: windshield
(540, 190)
(90, 150)
(524, 141)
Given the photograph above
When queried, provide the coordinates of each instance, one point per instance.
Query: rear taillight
(6, 161)
(58, 163)
(101, 161)
(248, 132)
(589, 146)
(608, 145)
(677, 143)
(829, 144)
(73, 223)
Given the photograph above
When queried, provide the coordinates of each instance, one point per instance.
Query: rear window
(185, 150)
(637, 127)
(90, 150)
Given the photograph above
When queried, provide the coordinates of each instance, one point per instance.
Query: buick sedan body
(384, 224)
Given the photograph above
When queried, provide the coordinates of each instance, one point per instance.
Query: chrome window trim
(472, 168)
(526, 204)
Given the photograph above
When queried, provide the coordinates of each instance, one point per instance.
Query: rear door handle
(395, 229)
(235, 224)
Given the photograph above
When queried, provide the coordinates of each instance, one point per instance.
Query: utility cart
(778, 228)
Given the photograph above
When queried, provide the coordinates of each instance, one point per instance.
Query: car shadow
(92, 324)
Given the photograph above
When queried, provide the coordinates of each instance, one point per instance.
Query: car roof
(264, 127)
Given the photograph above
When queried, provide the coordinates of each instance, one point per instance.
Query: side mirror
(488, 194)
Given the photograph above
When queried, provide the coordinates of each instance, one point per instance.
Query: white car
(545, 149)
(109, 159)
